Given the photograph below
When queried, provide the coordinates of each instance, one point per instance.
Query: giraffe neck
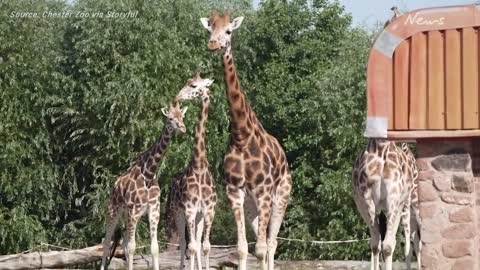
(240, 112)
(150, 159)
(199, 155)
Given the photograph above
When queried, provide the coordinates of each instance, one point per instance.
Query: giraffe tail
(382, 225)
(116, 239)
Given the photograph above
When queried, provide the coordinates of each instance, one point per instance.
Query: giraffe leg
(190, 215)
(415, 237)
(366, 208)
(264, 213)
(199, 231)
(112, 220)
(208, 220)
(393, 221)
(153, 216)
(279, 207)
(124, 246)
(407, 230)
(180, 222)
(236, 197)
(417, 245)
(131, 228)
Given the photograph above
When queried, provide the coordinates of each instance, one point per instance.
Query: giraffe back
(384, 171)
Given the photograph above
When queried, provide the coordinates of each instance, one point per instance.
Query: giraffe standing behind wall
(255, 166)
(137, 191)
(384, 177)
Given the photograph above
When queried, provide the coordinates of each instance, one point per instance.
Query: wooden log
(224, 259)
(51, 259)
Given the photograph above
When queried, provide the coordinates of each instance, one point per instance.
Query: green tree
(81, 98)
(29, 52)
(117, 74)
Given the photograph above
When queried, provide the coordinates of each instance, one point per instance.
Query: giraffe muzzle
(213, 45)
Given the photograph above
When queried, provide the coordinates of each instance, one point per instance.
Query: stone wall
(449, 191)
(477, 203)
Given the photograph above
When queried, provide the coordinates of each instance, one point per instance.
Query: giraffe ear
(165, 112)
(236, 23)
(206, 24)
(184, 110)
(209, 82)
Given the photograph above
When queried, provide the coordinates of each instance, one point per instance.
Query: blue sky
(368, 12)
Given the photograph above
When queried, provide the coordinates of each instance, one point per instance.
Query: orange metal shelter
(423, 75)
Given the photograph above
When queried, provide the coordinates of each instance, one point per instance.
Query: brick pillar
(449, 193)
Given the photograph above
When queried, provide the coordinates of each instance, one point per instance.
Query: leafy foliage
(81, 97)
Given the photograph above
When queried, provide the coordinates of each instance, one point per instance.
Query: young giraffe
(383, 180)
(193, 197)
(255, 166)
(137, 191)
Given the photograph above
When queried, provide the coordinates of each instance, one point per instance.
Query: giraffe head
(196, 87)
(174, 118)
(220, 29)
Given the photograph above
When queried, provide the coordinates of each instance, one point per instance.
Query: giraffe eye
(229, 32)
(193, 85)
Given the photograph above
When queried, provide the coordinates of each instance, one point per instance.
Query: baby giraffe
(193, 197)
(137, 191)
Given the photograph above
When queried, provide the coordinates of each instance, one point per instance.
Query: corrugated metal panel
(436, 85)
(418, 82)
(435, 81)
(401, 87)
(453, 86)
(429, 86)
(470, 78)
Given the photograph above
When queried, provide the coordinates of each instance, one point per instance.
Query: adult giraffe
(255, 166)
(384, 178)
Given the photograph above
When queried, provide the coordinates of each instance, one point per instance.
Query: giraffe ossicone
(137, 191)
(192, 198)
